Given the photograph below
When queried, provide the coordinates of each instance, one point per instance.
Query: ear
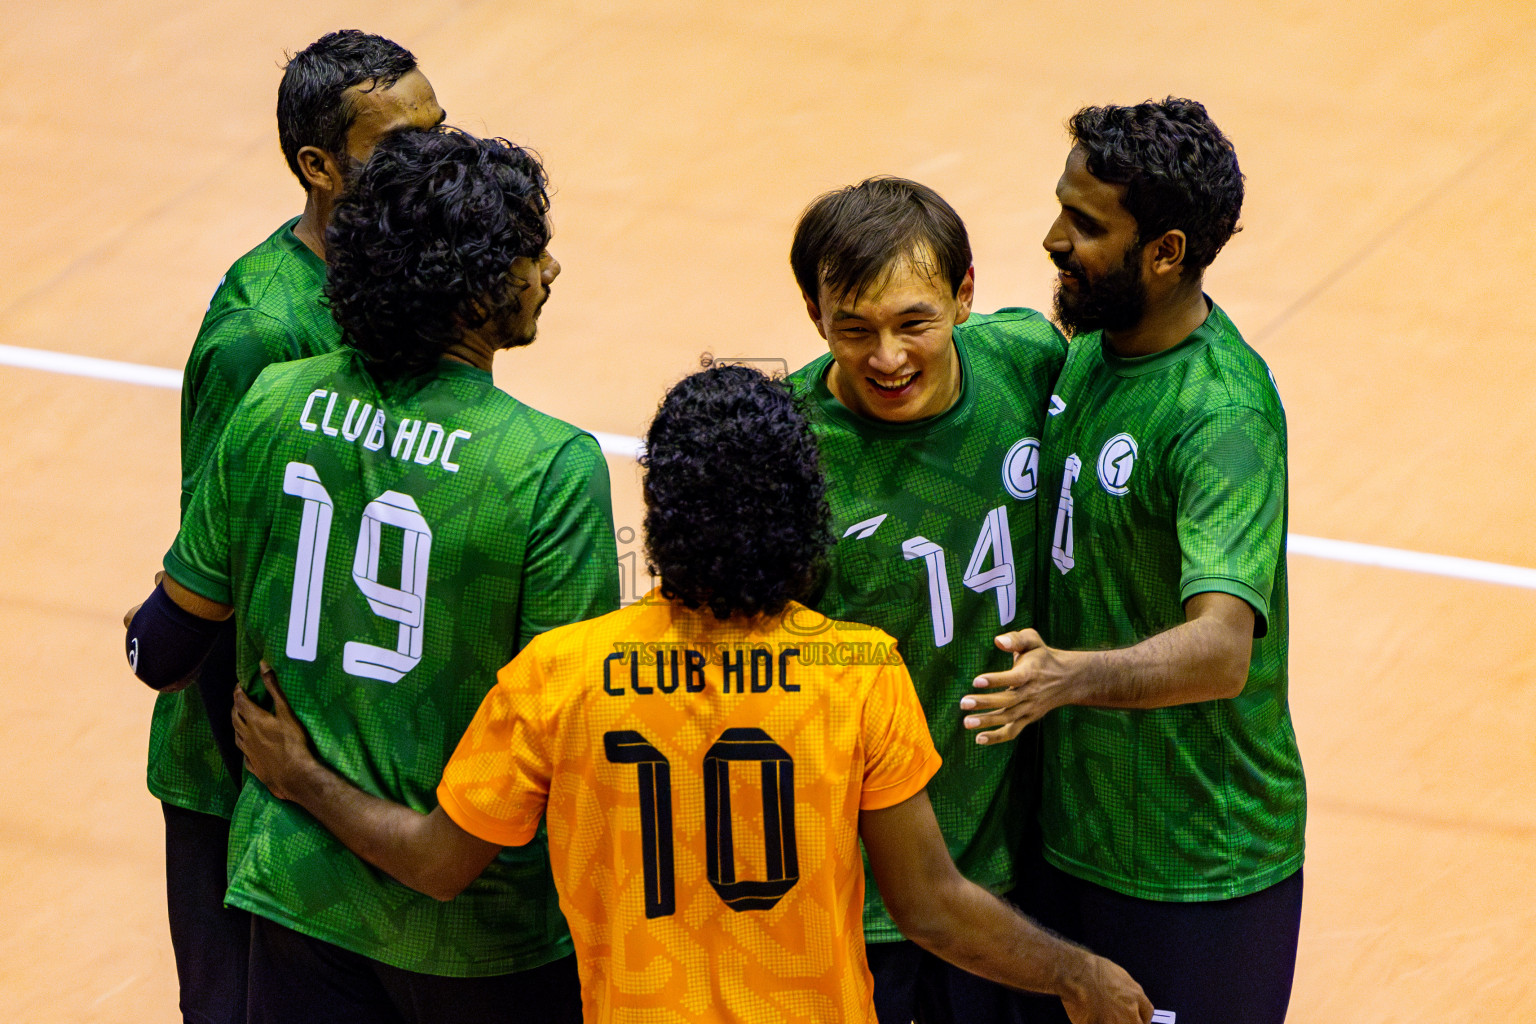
(1165, 255)
(319, 169)
(814, 312)
(964, 295)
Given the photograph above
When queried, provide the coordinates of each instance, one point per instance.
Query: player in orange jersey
(707, 760)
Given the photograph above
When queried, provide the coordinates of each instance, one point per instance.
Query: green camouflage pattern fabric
(936, 523)
(387, 548)
(1177, 486)
(267, 309)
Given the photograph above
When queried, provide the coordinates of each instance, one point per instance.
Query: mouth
(893, 387)
(1067, 273)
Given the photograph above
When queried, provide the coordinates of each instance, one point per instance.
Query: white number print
(398, 604)
(301, 481)
(405, 604)
(939, 602)
(996, 541)
(1061, 543)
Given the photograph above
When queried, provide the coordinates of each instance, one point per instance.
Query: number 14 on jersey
(994, 544)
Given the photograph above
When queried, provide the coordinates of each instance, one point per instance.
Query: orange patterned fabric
(703, 781)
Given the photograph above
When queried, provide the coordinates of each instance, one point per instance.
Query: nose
(888, 356)
(1056, 239)
(551, 270)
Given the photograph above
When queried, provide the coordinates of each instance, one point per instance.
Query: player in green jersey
(389, 529)
(928, 418)
(1173, 798)
(337, 98)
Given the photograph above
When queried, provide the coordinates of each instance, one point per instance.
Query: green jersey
(936, 527)
(266, 310)
(387, 548)
(1168, 479)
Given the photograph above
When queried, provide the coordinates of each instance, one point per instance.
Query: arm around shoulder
(428, 852)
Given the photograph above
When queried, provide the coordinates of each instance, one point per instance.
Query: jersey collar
(1216, 324)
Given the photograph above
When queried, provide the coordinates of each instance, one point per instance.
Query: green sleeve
(229, 355)
(572, 569)
(1231, 478)
(199, 558)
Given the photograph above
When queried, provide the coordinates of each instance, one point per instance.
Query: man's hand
(1107, 995)
(275, 746)
(1038, 682)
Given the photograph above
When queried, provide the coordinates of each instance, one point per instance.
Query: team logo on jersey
(1057, 406)
(858, 531)
(1021, 469)
(1116, 460)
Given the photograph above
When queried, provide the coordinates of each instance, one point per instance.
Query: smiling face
(892, 345)
(1101, 283)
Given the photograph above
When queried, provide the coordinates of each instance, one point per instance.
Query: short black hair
(1178, 169)
(847, 238)
(736, 515)
(312, 106)
(419, 248)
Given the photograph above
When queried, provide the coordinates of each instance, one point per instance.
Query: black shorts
(211, 941)
(294, 977)
(913, 985)
(1213, 962)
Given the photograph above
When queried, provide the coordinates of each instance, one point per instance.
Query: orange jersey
(703, 782)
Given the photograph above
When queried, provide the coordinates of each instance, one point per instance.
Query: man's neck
(1163, 325)
(473, 349)
(311, 226)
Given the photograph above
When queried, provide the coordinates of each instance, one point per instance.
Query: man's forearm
(983, 934)
(1194, 661)
(390, 836)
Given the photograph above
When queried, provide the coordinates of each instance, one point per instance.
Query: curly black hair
(1178, 169)
(736, 515)
(313, 108)
(420, 248)
(846, 238)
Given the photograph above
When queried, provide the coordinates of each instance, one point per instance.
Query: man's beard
(510, 331)
(1115, 302)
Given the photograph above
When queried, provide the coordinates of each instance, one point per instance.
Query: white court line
(622, 444)
(1412, 561)
(86, 366)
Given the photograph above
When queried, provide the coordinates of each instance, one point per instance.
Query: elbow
(1232, 677)
(924, 916)
(443, 890)
(442, 886)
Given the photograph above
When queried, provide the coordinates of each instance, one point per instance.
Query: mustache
(1066, 262)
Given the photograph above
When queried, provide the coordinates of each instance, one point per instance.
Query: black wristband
(166, 643)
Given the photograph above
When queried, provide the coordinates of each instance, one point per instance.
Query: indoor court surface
(1385, 271)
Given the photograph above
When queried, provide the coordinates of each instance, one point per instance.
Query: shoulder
(800, 620)
(573, 644)
(265, 306)
(1018, 340)
(293, 380)
(803, 382)
(1235, 376)
(1016, 325)
(274, 273)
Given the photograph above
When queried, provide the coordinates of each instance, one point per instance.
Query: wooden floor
(1385, 271)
